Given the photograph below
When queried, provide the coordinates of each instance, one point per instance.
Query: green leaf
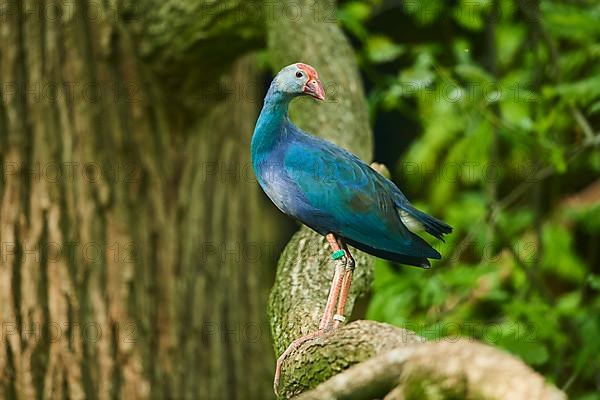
(381, 49)
(509, 39)
(532, 353)
(471, 14)
(353, 16)
(559, 257)
(594, 108)
(594, 282)
(473, 74)
(569, 303)
(356, 10)
(569, 21)
(582, 92)
(425, 12)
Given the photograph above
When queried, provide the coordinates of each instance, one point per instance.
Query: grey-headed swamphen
(333, 192)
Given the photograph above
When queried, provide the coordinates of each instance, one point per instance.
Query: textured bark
(135, 242)
(442, 370)
(328, 355)
(375, 378)
(188, 44)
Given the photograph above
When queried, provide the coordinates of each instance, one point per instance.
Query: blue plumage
(330, 189)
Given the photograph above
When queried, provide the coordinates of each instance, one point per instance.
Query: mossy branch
(442, 370)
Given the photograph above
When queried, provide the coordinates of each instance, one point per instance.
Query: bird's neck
(272, 123)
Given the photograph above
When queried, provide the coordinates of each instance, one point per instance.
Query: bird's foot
(294, 345)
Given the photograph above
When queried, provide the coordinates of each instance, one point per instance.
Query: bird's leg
(287, 351)
(336, 284)
(347, 281)
(332, 299)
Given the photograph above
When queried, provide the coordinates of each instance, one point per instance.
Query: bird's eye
(299, 74)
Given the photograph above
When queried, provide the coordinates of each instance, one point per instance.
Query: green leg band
(338, 254)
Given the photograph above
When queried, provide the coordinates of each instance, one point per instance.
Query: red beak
(315, 89)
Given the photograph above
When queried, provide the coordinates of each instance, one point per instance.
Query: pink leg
(336, 285)
(339, 317)
(287, 351)
(332, 299)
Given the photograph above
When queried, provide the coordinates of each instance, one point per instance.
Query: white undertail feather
(410, 222)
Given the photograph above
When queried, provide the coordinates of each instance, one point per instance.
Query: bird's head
(299, 79)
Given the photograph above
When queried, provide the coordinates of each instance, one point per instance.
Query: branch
(190, 45)
(371, 379)
(443, 370)
(322, 358)
(197, 33)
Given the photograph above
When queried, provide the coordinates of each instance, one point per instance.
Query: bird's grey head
(299, 79)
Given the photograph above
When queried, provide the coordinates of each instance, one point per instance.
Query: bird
(333, 192)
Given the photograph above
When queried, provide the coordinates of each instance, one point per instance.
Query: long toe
(294, 345)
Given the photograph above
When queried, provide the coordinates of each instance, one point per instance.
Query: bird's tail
(432, 225)
(421, 262)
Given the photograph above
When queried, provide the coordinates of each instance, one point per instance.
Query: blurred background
(137, 250)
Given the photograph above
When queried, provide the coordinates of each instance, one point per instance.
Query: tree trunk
(136, 247)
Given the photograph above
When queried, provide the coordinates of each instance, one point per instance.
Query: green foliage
(506, 95)
(382, 49)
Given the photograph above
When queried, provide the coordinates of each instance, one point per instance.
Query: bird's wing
(360, 202)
